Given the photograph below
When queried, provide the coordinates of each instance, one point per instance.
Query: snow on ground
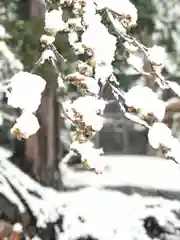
(111, 215)
(126, 170)
(97, 213)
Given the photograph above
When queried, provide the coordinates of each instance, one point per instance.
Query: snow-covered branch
(85, 31)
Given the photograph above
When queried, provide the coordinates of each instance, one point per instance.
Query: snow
(107, 214)
(97, 212)
(3, 33)
(167, 29)
(9, 56)
(145, 172)
(9, 63)
(17, 227)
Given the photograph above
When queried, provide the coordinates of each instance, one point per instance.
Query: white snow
(128, 170)
(98, 212)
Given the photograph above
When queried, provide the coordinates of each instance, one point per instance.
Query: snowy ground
(105, 212)
(143, 172)
(102, 209)
(112, 215)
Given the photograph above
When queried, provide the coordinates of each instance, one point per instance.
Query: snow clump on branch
(125, 9)
(25, 92)
(54, 22)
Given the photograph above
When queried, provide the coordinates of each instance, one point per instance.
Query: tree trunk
(42, 149)
(35, 8)
(41, 153)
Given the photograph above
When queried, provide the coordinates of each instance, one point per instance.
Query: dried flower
(159, 134)
(25, 126)
(144, 99)
(87, 83)
(125, 9)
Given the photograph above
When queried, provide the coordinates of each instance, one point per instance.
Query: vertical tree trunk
(41, 150)
(35, 8)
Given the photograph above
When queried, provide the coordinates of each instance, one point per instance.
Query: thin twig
(143, 48)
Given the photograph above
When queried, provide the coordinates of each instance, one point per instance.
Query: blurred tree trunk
(42, 149)
(41, 155)
(35, 8)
